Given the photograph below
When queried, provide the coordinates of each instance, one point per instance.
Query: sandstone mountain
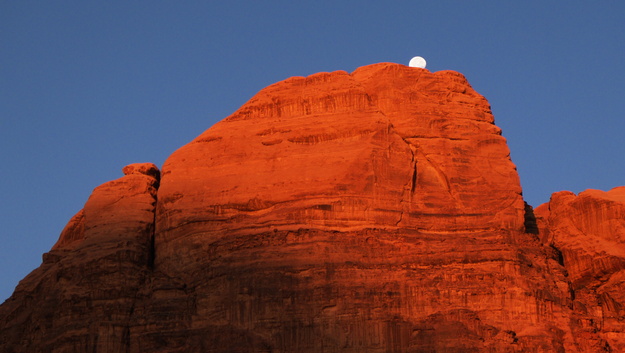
(377, 211)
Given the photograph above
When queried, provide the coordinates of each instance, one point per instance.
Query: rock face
(81, 299)
(589, 231)
(376, 211)
(385, 147)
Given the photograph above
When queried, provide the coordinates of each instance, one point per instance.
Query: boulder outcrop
(372, 211)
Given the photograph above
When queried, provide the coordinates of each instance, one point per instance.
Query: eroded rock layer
(589, 231)
(376, 211)
(82, 297)
(387, 146)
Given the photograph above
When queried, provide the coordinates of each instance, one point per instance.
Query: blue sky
(87, 87)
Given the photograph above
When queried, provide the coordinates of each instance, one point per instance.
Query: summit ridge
(372, 211)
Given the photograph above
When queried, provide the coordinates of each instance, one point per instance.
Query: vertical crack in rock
(151, 241)
(401, 217)
(530, 220)
(151, 246)
(558, 254)
(410, 185)
(413, 184)
(144, 276)
(442, 177)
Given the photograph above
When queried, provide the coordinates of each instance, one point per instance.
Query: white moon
(417, 61)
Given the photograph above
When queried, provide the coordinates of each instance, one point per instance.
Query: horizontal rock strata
(377, 211)
(589, 231)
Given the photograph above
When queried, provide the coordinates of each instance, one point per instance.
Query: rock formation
(377, 211)
(589, 232)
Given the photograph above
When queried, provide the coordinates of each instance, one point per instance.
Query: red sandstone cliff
(376, 211)
(589, 232)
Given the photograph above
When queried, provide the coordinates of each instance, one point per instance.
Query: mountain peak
(369, 211)
(384, 147)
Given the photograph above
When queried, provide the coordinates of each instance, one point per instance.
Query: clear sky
(87, 87)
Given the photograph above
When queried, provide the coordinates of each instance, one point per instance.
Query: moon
(417, 61)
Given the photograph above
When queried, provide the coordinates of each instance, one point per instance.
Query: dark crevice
(557, 255)
(126, 338)
(151, 241)
(401, 217)
(530, 220)
(151, 252)
(413, 184)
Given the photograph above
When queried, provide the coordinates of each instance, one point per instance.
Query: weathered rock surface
(589, 231)
(387, 147)
(376, 211)
(82, 297)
